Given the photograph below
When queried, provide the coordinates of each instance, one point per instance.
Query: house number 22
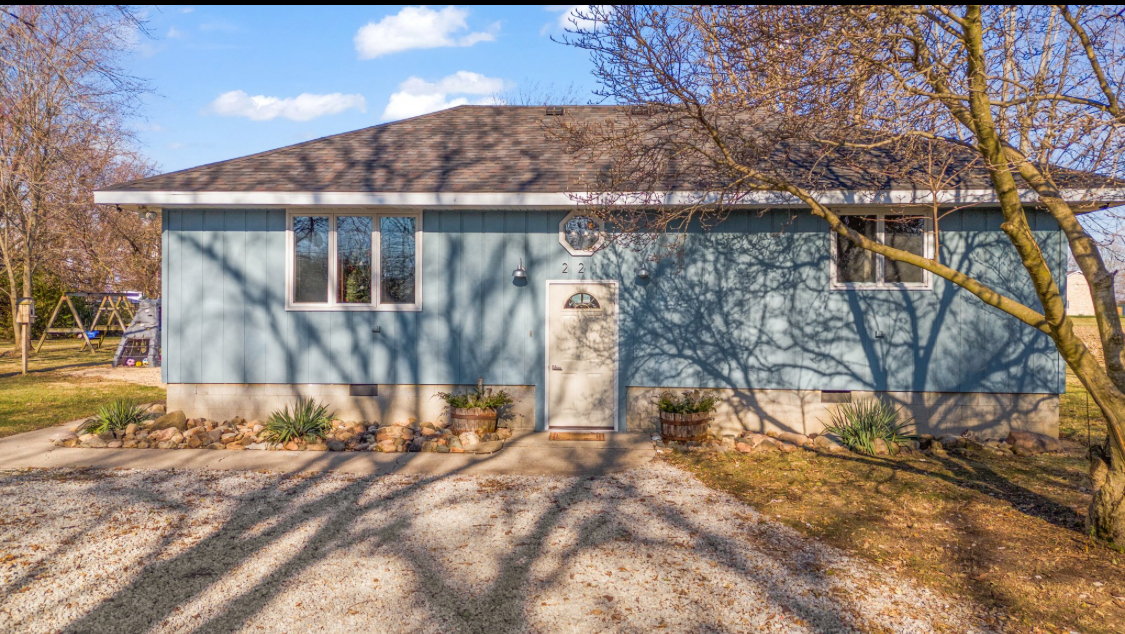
(581, 267)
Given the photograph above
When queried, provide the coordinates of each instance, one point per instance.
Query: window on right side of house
(856, 267)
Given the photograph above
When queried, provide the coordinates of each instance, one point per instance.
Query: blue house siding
(747, 305)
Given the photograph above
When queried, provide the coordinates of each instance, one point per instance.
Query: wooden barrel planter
(684, 427)
(479, 420)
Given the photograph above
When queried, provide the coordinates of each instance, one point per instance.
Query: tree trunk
(1106, 518)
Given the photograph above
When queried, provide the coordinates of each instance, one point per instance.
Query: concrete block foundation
(806, 411)
(370, 403)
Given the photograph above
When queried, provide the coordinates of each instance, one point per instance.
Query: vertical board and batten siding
(746, 305)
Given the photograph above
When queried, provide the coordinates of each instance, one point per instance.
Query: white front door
(581, 354)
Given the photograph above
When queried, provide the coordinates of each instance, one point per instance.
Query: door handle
(555, 367)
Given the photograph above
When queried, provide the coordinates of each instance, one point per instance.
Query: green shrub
(480, 397)
(859, 424)
(309, 421)
(117, 415)
(690, 402)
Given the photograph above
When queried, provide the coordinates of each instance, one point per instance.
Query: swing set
(111, 305)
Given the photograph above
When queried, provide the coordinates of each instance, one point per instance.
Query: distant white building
(1078, 299)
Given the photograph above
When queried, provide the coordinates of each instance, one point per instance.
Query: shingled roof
(477, 149)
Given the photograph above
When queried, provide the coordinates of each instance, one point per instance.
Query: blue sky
(231, 81)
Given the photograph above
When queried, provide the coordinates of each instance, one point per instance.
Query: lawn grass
(1005, 533)
(51, 393)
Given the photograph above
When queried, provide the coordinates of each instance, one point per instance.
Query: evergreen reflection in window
(397, 259)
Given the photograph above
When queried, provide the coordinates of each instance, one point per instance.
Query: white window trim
(880, 261)
(581, 252)
(332, 304)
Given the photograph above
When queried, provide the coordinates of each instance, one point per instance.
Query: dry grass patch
(1005, 533)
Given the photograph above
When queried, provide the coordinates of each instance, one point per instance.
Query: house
(373, 268)
(1079, 302)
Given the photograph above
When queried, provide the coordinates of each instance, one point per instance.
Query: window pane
(353, 249)
(581, 233)
(853, 264)
(908, 234)
(396, 259)
(310, 259)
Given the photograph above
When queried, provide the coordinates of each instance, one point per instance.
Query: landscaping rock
(468, 439)
(503, 433)
(336, 445)
(394, 433)
(258, 446)
(175, 419)
(130, 430)
(316, 446)
(114, 444)
(794, 438)
(62, 436)
(490, 446)
(830, 443)
(759, 441)
(881, 448)
(1033, 442)
(155, 408)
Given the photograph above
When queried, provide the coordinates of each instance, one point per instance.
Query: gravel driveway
(647, 549)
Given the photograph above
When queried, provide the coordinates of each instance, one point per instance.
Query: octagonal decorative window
(580, 234)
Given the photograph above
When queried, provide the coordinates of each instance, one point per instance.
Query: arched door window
(582, 301)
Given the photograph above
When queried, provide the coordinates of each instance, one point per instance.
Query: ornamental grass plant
(119, 414)
(860, 424)
(309, 421)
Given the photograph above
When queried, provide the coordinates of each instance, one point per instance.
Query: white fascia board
(569, 199)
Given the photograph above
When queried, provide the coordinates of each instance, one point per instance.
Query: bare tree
(745, 101)
(64, 96)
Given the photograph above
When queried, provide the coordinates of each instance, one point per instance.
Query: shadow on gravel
(354, 518)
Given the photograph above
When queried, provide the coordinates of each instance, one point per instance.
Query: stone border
(174, 430)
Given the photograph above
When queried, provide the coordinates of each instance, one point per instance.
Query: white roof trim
(566, 199)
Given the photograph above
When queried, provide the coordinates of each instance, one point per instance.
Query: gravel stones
(650, 549)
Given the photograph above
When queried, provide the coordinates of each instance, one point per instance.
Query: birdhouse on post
(25, 310)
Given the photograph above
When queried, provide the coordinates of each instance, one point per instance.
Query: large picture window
(353, 261)
(855, 267)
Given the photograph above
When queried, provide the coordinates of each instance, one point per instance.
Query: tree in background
(747, 99)
(64, 99)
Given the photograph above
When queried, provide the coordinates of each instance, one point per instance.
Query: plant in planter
(310, 421)
(117, 415)
(860, 425)
(476, 410)
(686, 418)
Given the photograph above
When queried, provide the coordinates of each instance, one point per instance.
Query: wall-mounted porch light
(643, 272)
(520, 273)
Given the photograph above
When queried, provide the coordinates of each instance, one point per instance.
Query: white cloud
(418, 27)
(303, 107)
(174, 33)
(569, 18)
(417, 96)
(187, 9)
